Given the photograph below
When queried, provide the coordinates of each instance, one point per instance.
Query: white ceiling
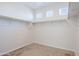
(36, 5)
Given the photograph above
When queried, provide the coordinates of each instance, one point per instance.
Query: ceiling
(36, 5)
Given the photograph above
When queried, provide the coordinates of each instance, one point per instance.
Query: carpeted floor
(40, 50)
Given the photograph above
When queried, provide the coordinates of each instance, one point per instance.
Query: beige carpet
(41, 50)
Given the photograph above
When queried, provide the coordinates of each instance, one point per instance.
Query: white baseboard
(54, 46)
(76, 52)
(16, 48)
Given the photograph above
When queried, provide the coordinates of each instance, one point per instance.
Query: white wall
(16, 10)
(56, 34)
(14, 34)
(74, 17)
(74, 10)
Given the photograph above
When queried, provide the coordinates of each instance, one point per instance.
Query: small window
(39, 15)
(49, 13)
(63, 11)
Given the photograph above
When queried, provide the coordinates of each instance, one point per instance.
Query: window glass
(63, 11)
(49, 13)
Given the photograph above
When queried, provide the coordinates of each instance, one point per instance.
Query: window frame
(39, 15)
(63, 11)
(49, 13)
